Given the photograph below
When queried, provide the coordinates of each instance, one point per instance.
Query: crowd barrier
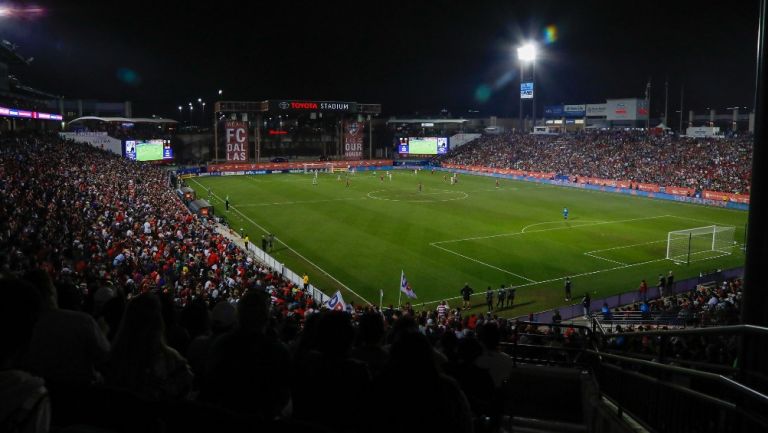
(264, 257)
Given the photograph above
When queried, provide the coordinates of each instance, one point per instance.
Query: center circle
(431, 196)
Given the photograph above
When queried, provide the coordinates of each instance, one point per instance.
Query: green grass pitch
(358, 238)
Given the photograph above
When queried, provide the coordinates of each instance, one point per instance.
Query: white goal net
(700, 243)
(322, 167)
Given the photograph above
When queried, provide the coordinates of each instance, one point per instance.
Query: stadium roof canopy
(435, 121)
(125, 119)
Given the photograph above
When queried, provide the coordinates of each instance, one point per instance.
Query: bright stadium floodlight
(220, 91)
(527, 52)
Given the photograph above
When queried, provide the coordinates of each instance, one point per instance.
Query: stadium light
(220, 92)
(527, 52)
(199, 99)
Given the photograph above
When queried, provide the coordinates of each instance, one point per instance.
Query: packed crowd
(722, 164)
(704, 306)
(119, 306)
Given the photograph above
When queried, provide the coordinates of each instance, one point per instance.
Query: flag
(335, 302)
(405, 287)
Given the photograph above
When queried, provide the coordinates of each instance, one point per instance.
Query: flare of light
(550, 34)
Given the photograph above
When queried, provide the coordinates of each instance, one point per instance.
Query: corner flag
(405, 287)
(335, 302)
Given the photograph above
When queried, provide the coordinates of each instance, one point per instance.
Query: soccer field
(358, 238)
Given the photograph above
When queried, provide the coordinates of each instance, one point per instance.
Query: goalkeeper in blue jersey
(565, 213)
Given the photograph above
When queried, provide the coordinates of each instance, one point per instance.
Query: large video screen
(423, 145)
(148, 150)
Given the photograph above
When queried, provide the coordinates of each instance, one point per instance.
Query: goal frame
(323, 167)
(716, 243)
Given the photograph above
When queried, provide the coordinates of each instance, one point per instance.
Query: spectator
(66, 346)
(24, 402)
(442, 405)
(249, 367)
(141, 361)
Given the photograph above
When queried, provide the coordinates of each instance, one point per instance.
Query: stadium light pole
(527, 53)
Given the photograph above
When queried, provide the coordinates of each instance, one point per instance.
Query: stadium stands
(181, 329)
(721, 164)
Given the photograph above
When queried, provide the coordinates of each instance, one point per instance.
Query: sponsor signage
(595, 110)
(578, 110)
(313, 106)
(526, 90)
(553, 111)
(626, 109)
(14, 112)
(236, 134)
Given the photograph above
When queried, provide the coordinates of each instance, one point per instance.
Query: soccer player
(511, 296)
(347, 182)
(489, 298)
(501, 296)
(226, 203)
(497, 183)
(314, 180)
(381, 177)
(565, 213)
(670, 283)
(389, 175)
(567, 288)
(420, 186)
(466, 292)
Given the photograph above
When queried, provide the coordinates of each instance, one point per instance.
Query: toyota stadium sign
(313, 106)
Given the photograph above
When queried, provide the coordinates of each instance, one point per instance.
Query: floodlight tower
(527, 54)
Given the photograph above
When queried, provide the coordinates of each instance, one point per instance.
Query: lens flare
(482, 93)
(550, 34)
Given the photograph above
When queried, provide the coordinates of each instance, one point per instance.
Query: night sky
(409, 56)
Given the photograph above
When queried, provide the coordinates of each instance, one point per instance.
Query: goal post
(322, 167)
(706, 242)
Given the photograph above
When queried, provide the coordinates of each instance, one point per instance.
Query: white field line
(546, 230)
(292, 250)
(300, 202)
(483, 263)
(603, 258)
(626, 246)
(584, 274)
(559, 221)
(709, 223)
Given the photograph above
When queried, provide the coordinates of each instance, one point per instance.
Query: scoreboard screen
(422, 145)
(148, 150)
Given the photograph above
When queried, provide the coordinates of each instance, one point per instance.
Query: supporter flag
(335, 302)
(405, 287)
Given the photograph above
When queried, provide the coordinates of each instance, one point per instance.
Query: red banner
(724, 196)
(676, 190)
(353, 139)
(236, 134)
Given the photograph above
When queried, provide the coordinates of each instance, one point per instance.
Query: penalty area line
(483, 263)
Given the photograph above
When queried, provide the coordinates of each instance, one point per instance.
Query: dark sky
(407, 55)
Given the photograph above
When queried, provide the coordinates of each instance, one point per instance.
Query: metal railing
(692, 396)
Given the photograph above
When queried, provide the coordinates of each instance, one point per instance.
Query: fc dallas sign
(237, 140)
